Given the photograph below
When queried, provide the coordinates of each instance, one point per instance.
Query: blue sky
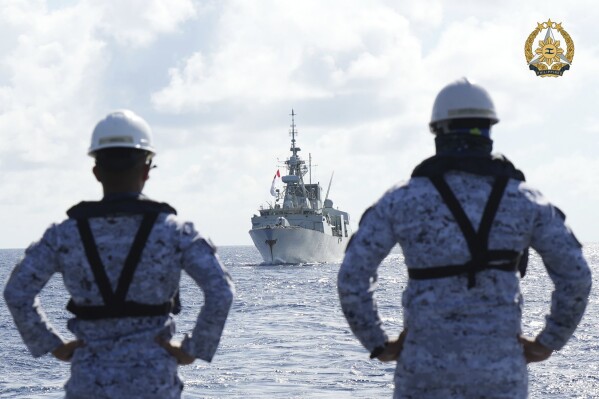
(217, 80)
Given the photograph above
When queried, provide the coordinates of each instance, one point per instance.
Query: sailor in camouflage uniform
(464, 221)
(121, 260)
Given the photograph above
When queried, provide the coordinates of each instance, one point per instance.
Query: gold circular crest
(549, 59)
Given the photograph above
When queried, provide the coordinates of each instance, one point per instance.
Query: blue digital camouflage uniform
(462, 342)
(120, 358)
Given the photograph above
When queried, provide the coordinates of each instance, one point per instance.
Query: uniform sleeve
(202, 264)
(21, 294)
(569, 271)
(357, 277)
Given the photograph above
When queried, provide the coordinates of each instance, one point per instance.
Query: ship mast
(294, 164)
(293, 132)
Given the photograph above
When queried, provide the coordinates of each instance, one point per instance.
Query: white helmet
(463, 99)
(122, 129)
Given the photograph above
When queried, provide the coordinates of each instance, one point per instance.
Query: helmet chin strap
(460, 144)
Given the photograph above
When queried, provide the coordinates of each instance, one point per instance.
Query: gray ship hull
(295, 244)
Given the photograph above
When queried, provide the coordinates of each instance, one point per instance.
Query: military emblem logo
(549, 58)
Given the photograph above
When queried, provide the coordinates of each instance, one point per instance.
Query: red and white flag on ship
(275, 180)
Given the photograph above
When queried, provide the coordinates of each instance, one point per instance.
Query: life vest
(481, 257)
(115, 303)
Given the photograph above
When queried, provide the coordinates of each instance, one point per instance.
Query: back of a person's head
(118, 159)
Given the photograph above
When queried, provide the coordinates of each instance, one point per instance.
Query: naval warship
(300, 227)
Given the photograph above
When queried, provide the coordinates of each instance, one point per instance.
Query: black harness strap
(481, 257)
(93, 257)
(454, 270)
(145, 228)
(495, 165)
(491, 210)
(115, 304)
(492, 165)
(125, 309)
(457, 211)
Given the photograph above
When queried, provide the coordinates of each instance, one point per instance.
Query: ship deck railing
(289, 211)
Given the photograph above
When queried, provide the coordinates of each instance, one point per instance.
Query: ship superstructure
(301, 226)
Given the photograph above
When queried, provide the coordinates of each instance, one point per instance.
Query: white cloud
(140, 22)
(49, 81)
(271, 52)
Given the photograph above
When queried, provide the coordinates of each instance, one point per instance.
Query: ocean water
(286, 336)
